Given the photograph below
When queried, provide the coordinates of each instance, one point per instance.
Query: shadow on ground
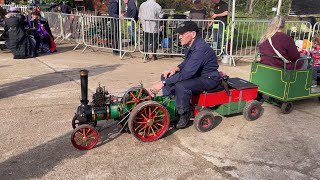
(37, 162)
(50, 79)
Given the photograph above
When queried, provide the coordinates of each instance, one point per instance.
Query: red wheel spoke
(159, 124)
(144, 116)
(155, 127)
(144, 132)
(133, 96)
(141, 122)
(157, 112)
(84, 132)
(140, 92)
(130, 102)
(90, 135)
(148, 131)
(154, 110)
(149, 112)
(159, 116)
(153, 131)
(88, 132)
(137, 127)
(143, 128)
(159, 120)
(145, 113)
(80, 132)
(77, 137)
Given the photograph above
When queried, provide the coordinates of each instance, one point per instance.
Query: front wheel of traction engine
(148, 121)
(252, 110)
(84, 137)
(204, 121)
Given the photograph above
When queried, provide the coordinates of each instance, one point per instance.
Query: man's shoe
(183, 120)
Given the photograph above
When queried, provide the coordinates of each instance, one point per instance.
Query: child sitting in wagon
(315, 54)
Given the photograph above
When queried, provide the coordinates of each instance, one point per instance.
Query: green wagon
(280, 86)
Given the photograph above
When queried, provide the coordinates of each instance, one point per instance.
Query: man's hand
(214, 16)
(170, 72)
(156, 87)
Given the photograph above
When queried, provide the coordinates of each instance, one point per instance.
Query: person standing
(220, 13)
(18, 41)
(113, 9)
(199, 13)
(197, 73)
(148, 12)
(132, 12)
(66, 8)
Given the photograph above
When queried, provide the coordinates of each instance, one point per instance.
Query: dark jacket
(21, 45)
(132, 10)
(14, 27)
(66, 9)
(200, 61)
(113, 8)
(286, 47)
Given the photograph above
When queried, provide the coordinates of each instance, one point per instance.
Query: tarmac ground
(38, 98)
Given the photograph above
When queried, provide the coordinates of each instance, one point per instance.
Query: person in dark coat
(113, 9)
(132, 12)
(42, 32)
(197, 73)
(21, 45)
(66, 8)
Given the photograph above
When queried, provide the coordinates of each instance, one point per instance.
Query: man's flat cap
(187, 26)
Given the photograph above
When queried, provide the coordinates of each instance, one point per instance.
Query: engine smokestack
(84, 87)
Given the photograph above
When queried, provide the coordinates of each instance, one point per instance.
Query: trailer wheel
(84, 137)
(75, 122)
(286, 107)
(252, 110)
(204, 121)
(149, 121)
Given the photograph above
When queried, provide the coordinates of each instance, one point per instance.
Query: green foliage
(261, 7)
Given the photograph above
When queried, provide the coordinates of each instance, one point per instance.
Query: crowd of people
(27, 35)
(150, 10)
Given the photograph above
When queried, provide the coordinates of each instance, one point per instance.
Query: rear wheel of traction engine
(76, 122)
(252, 110)
(149, 121)
(286, 107)
(204, 121)
(134, 96)
(84, 137)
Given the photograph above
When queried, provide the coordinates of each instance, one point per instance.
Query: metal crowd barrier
(72, 28)
(316, 28)
(158, 36)
(55, 23)
(23, 8)
(246, 35)
(104, 32)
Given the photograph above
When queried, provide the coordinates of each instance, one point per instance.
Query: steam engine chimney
(84, 87)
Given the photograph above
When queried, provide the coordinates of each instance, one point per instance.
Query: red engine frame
(221, 97)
